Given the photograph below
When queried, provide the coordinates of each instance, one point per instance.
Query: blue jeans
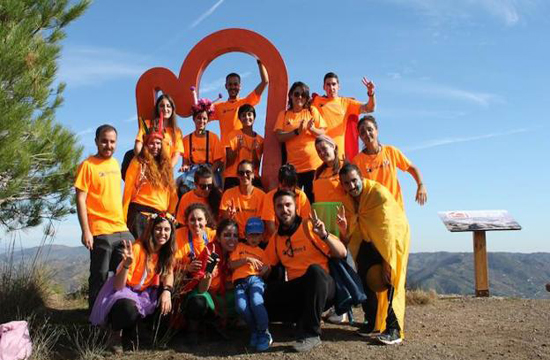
(249, 302)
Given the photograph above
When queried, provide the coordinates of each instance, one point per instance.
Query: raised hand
(318, 226)
(369, 85)
(127, 253)
(194, 266)
(231, 210)
(341, 221)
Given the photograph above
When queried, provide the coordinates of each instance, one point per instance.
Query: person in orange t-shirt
(248, 270)
(287, 181)
(149, 185)
(245, 201)
(173, 138)
(244, 144)
(336, 110)
(202, 146)
(205, 192)
(302, 247)
(326, 185)
(380, 162)
(226, 112)
(133, 292)
(99, 209)
(296, 128)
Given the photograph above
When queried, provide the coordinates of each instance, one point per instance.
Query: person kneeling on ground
(134, 293)
(310, 289)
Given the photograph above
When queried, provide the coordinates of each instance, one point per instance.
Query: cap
(254, 225)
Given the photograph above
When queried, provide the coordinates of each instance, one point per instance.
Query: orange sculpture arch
(194, 65)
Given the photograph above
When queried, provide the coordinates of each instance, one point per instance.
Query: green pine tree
(38, 156)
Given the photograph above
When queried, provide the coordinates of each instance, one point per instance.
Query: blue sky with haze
(461, 87)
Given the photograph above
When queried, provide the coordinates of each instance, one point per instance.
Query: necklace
(378, 149)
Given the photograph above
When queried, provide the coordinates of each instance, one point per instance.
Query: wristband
(167, 288)
(296, 131)
(126, 267)
(324, 238)
(370, 94)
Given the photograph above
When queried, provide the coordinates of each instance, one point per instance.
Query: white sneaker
(333, 318)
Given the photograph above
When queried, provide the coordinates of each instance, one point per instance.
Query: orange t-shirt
(301, 149)
(243, 251)
(334, 112)
(227, 113)
(101, 179)
(296, 253)
(303, 207)
(188, 243)
(327, 187)
(245, 152)
(247, 205)
(187, 199)
(382, 168)
(174, 143)
(142, 272)
(138, 190)
(195, 152)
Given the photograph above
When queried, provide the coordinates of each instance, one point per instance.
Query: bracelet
(324, 238)
(296, 131)
(167, 288)
(370, 94)
(126, 267)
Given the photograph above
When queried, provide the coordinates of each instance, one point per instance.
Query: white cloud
(508, 11)
(85, 132)
(453, 140)
(206, 14)
(130, 119)
(81, 66)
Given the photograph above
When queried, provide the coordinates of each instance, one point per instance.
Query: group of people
(222, 248)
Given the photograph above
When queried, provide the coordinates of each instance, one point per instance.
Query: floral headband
(204, 104)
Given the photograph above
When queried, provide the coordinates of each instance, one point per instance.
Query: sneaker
(264, 340)
(307, 343)
(253, 339)
(334, 318)
(390, 337)
(366, 330)
(114, 344)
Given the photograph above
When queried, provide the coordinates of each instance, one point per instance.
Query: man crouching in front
(303, 247)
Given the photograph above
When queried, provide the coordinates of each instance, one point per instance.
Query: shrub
(421, 297)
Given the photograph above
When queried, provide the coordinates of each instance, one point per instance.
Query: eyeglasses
(289, 251)
(244, 172)
(297, 94)
(206, 186)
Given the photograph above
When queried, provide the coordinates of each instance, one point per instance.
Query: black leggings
(305, 181)
(367, 257)
(301, 300)
(196, 308)
(124, 315)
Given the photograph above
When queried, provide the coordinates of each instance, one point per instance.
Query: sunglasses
(244, 172)
(289, 251)
(206, 186)
(297, 94)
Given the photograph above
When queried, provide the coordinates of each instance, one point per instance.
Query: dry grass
(421, 297)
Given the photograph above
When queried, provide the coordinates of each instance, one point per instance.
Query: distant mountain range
(510, 274)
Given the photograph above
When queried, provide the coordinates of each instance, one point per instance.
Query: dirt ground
(449, 328)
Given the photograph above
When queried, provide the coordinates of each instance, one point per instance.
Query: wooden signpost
(479, 221)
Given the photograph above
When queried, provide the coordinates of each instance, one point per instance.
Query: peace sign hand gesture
(341, 221)
(127, 253)
(369, 85)
(231, 210)
(318, 226)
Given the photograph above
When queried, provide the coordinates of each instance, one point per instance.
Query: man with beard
(378, 239)
(302, 246)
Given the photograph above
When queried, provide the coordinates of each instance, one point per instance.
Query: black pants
(196, 309)
(305, 182)
(301, 300)
(367, 257)
(105, 256)
(123, 315)
(136, 221)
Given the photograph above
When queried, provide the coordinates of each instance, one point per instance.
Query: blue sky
(461, 88)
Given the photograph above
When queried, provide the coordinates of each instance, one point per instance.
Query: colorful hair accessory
(204, 104)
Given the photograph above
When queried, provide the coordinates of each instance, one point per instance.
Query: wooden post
(480, 264)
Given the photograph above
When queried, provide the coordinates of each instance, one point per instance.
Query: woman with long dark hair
(297, 127)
